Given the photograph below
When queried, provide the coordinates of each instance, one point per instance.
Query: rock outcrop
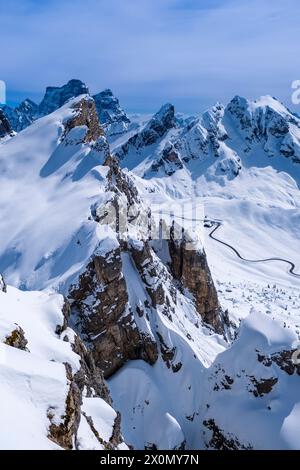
(16, 339)
(85, 114)
(112, 117)
(154, 130)
(55, 97)
(5, 127)
(189, 266)
(104, 317)
(87, 382)
(2, 284)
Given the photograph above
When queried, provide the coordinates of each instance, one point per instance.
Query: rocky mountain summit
(28, 111)
(55, 97)
(21, 116)
(222, 136)
(112, 117)
(150, 134)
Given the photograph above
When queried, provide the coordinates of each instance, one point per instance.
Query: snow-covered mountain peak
(23, 115)
(268, 122)
(111, 115)
(163, 120)
(265, 106)
(155, 133)
(55, 97)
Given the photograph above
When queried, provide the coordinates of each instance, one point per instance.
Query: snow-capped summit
(27, 112)
(142, 143)
(159, 124)
(23, 115)
(268, 122)
(55, 97)
(111, 115)
(223, 137)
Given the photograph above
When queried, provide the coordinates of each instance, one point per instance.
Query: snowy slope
(49, 184)
(35, 385)
(255, 381)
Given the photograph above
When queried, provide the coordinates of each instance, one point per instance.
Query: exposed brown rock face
(263, 386)
(191, 269)
(17, 339)
(119, 182)
(64, 434)
(150, 273)
(106, 322)
(85, 115)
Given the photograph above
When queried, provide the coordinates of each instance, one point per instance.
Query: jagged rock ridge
(111, 115)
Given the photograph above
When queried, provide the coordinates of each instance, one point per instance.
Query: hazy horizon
(188, 52)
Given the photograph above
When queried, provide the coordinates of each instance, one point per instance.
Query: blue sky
(190, 52)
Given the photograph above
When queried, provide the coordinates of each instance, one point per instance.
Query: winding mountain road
(213, 237)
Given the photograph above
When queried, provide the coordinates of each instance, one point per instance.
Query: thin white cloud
(153, 50)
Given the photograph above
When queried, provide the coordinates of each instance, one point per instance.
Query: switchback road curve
(217, 225)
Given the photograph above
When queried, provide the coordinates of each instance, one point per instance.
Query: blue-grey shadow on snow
(61, 155)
